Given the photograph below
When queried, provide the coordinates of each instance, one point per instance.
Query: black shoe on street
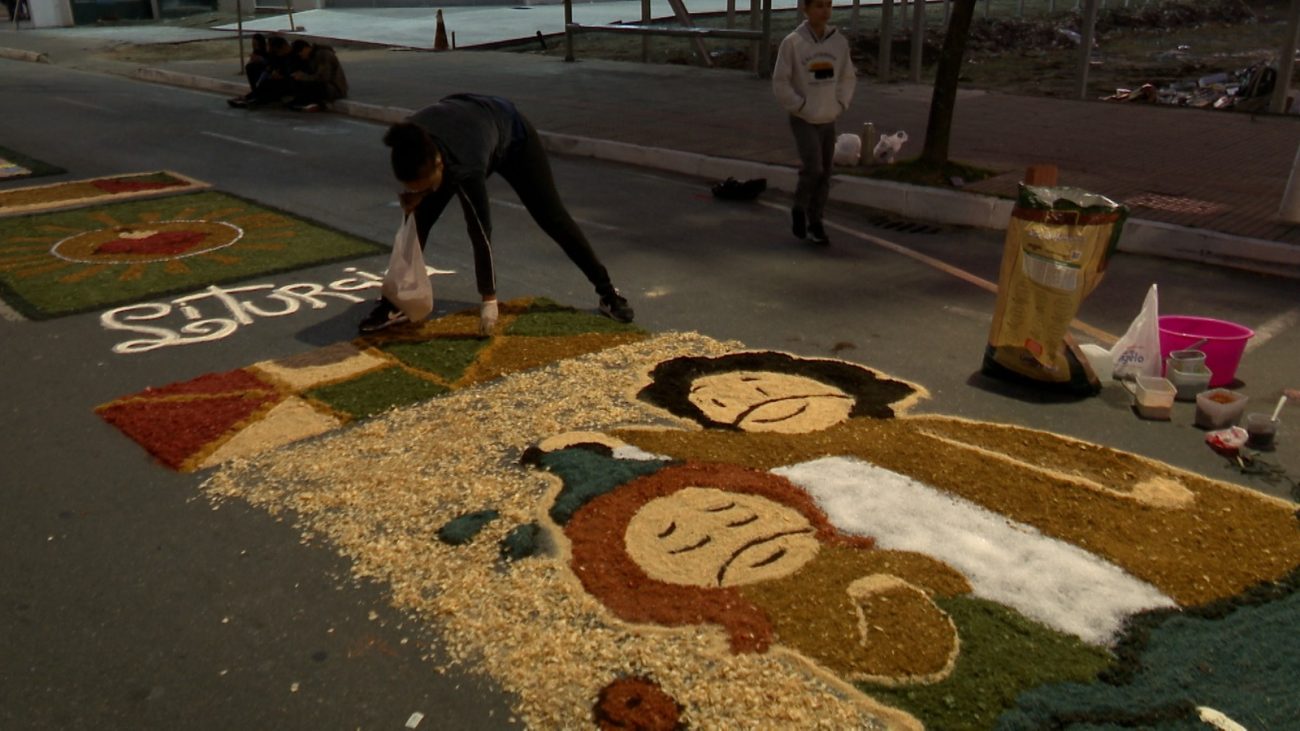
(799, 223)
(238, 102)
(615, 307)
(312, 107)
(817, 234)
(384, 315)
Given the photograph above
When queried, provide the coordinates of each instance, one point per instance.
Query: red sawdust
(636, 703)
(176, 422)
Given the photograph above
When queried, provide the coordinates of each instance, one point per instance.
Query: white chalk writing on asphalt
(217, 312)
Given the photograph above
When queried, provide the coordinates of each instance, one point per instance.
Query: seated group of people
(306, 76)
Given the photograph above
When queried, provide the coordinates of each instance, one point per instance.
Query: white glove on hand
(487, 318)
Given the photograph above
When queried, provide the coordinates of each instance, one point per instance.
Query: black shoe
(238, 102)
(312, 107)
(817, 234)
(384, 315)
(799, 223)
(615, 307)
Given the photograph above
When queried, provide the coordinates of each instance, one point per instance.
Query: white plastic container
(1219, 408)
(1189, 379)
(1155, 397)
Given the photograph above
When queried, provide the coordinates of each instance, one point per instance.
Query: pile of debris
(1245, 90)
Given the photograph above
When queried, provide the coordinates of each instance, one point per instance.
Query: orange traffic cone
(440, 35)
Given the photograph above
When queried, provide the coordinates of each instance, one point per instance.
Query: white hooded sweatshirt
(814, 79)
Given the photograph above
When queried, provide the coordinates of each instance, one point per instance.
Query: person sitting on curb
(268, 74)
(319, 81)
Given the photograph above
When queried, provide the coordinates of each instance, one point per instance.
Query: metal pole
(755, 21)
(239, 25)
(886, 38)
(853, 16)
(1290, 210)
(918, 38)
(765, 50)
(1286, 62)
(1085, 45)
(568, 33)
(645, 39)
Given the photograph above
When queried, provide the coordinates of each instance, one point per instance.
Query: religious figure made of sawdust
(806, 511)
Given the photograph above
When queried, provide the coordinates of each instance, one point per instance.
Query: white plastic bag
(848, 149)
(406, 283)
(889, 146)
(1137, 353)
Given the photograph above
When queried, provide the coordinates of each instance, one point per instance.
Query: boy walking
(814, 81)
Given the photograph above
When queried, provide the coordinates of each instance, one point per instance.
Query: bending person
(448, 150)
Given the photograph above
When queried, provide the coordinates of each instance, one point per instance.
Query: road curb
(936, 205)
(18, 54)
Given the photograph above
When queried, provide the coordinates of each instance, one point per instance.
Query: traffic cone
(440, 35)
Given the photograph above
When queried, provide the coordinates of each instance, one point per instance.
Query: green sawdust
(462, 530)
(1239, 656)
(376, 392)
(447, 358)
(545, 317)
(37, 167)
(521, 542)
(587, 475)
(1002, 654)
(41, 285)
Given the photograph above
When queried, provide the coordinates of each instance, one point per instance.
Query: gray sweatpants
(816, 146)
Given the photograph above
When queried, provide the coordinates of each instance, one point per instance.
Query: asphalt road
(127, 601)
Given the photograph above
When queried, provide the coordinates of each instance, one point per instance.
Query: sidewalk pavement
(1201, 185)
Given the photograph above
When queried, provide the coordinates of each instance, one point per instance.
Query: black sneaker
(238, 102)
(817, 234)
(384, 315)
(312, 107)
(799, 223)
(615, 307)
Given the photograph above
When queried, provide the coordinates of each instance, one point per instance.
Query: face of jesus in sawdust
(767, 401)
(703, 536)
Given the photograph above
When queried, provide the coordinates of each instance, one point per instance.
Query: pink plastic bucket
(1225, 342)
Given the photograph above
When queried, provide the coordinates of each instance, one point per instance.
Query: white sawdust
(378, 491)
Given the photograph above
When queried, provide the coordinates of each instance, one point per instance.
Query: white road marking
(79, 103)
(238, 141)
(1272, 328)
(1100, 335)
(585, 222)
(10, 314)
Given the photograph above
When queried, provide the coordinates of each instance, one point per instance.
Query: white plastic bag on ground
(1137, 353)
(406, 283)
(848, 149)
(889, 146)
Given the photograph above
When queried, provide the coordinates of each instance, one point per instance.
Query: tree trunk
(938, 129)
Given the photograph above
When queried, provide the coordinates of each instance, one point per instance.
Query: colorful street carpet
(75, 193)
(665, 531)
(54, 264)
(16, 166)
